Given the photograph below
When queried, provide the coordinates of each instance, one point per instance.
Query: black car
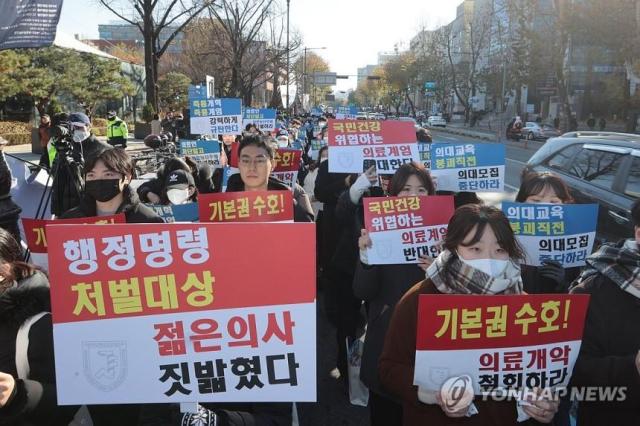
(598, 167)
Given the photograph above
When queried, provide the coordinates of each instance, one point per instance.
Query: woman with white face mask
(179, 188)
(551, 277)
(481, 257)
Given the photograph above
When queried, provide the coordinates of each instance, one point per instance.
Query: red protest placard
(355, 146)
(501, 342)
(363, 132)
(248, 206)
(131, 270)
(162, 305)
(34, 229)
(471, 322)
(402, 229)
(287, 160)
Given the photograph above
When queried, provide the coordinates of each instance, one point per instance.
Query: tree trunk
(150, 62)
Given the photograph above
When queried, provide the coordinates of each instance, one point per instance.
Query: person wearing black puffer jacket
(107, 190)
(255, 165)
(24, 293)
(381, 287)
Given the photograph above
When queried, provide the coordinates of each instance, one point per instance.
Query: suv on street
(598, 167)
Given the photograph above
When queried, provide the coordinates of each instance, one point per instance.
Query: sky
(353, 31)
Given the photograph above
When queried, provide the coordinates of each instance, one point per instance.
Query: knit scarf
(460, 278)
(620, 263)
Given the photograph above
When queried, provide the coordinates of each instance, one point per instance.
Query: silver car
(533, 131)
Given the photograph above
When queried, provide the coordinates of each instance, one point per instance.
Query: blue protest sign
(264, 118)
(177, 213)
(202, 151)
(347, 112)
(560, 232)
(477, 167)
(216, 116)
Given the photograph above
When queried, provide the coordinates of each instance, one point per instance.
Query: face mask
(491, 267)
(102, 190)
(323, 159)
(80, 135)
(178, 196)
(283, 143)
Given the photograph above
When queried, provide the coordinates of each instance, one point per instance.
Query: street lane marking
(516, 161)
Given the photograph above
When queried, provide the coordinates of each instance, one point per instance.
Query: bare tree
(465, 44)
(153, 18)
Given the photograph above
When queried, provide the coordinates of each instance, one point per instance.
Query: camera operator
(75, 145)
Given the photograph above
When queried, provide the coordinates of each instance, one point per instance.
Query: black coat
(134, 211)
(534, 283)
(300, 212)
(328, 188)
(382, 286)
(240, 414)
(607, 357)
(34, 402)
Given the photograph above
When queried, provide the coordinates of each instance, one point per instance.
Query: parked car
(533, 131)
(436, 121)
(598, 167)
(362, 116)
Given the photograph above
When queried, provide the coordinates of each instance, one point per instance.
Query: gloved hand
(552, 270)
(361, 184)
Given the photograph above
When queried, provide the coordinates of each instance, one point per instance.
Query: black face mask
(102, 190)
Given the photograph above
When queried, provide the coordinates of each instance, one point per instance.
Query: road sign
(430, 85)
(324, 78)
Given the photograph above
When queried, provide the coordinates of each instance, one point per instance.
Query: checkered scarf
(451, 275)
(620, 263)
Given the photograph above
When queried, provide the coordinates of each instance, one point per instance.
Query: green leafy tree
(99, 80)
(173, 91)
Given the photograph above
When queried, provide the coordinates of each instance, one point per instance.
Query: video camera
(62, 136)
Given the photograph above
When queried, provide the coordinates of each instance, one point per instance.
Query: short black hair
(635, 213)
(257, 141)
(115, 159)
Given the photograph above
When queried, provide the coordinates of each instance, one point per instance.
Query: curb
(463, 132)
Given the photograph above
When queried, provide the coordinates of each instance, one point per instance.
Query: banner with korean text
(477, 167)
(35, 229)
(248, 206)
(354, 144)
(402, 229)
(263, 118)
(172, 313)
(508, 343)
(216, 116)
(202, 151)
(561, 232)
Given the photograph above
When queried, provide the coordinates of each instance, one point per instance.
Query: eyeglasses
(259, 161)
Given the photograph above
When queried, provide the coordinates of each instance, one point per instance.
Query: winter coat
(610, 343)
(302, 211)
(34, 401)
(227, 414)
(397, 364)
(381, 286)
(328, 188)
(134, 211)
(534, 283)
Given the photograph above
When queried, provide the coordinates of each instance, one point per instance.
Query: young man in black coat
(610, 352)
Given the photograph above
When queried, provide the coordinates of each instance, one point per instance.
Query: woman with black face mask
(107, 191)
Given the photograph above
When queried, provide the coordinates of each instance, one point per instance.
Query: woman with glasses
(256, 161)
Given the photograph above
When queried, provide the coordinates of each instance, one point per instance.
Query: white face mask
(283, 142)
(491, 267)
(178, 196)
(80, 135)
